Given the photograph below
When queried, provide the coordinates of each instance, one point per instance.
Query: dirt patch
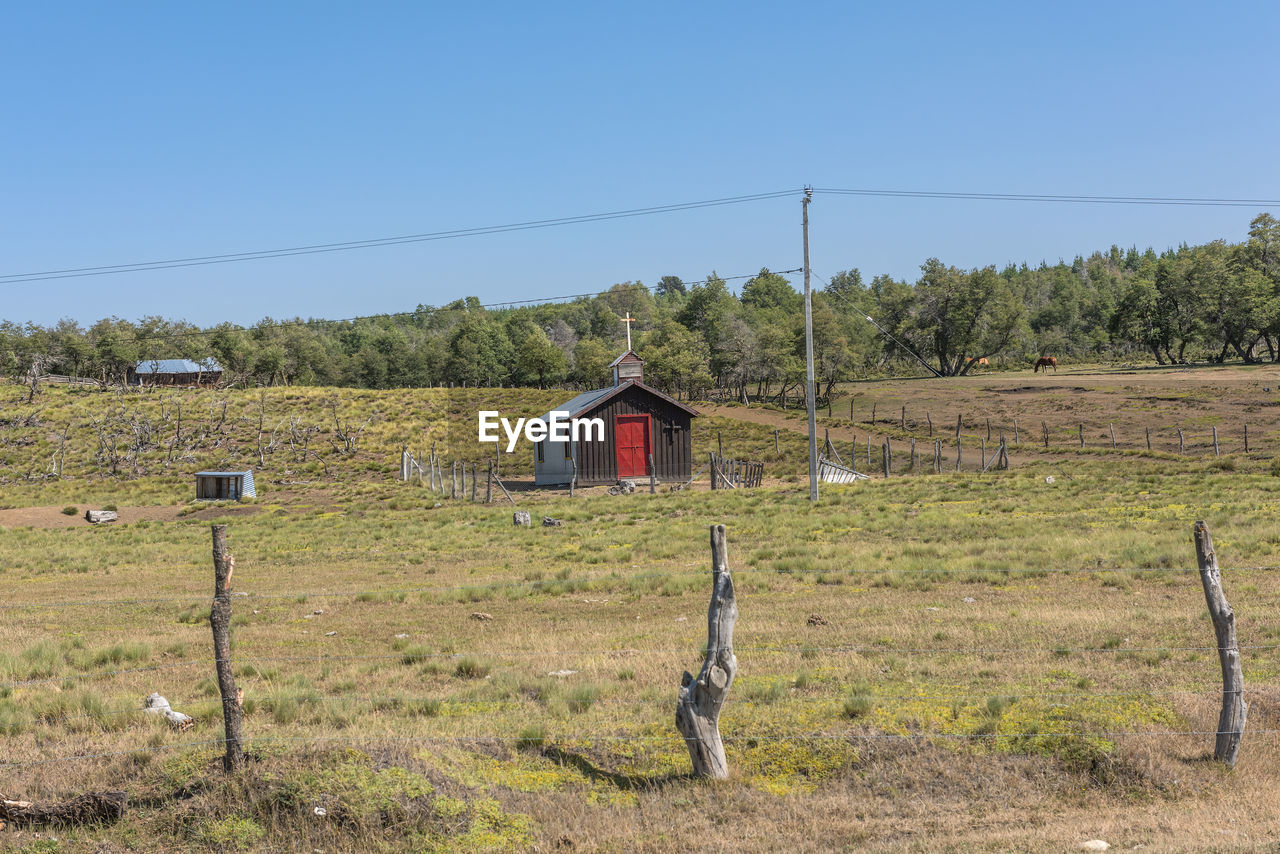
(53, 517)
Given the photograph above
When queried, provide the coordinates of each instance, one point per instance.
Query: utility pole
(809, 390)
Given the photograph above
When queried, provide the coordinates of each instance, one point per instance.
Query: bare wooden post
(1044, 428)
(1234, 708)
(220, 621)
(929, 418)
(884, 453)
(873, 412)
(1080, 429)
(851, 409)
(957, 426)
(653, 477)
(1181, 444)
(1148, 438)
(1246, 438)
(711, 466)
(775, 441)
(984, 454)
(1015, 431)
(988, 429)
(1215, 441)
(1113, 436)
(488, 483)
(719, 445)
(957, 453)
(913, 453)
(902, 422)
(700, 701)
(454, 487)
(404, 463)
(573, 479)
(937, 456)
(475, 475)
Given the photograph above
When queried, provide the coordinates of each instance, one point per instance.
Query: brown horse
(1046, 362)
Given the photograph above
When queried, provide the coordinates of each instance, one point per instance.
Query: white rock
(1094, 845)
(562, 673)
(402, 635)
(321, 811)
(329, 634)
(1049, 479)
(970, 599)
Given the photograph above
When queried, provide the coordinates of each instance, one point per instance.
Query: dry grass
(418, 727)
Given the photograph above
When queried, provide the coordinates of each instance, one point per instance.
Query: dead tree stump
(89, 808)
(700, 701)
(1234, 708)
(220, 620)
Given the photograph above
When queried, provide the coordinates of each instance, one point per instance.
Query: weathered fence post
(1234, 708)
(1113, 436)
(957, 426)
(873, 412)
(719, 445)
(913, 453)
(404, 462)
(957, 453)
(868, 453)
(1044, 428)
(653, 477)
(711, 466)
(929, 418)
(454, 486)
(884, 453)
(220, 621)
(988, 429)
(475, 475)
(1246, 438)
(851, 409)
(1215, 441)
(1015, 431)
(902, 422)
(1080, 429)
(984, 454)
(488, 484)
(1181, 444)
(937, 456)
(700, 701)
(775, 441)
(1148, 438)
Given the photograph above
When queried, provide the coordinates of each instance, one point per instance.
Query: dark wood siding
(669, 437)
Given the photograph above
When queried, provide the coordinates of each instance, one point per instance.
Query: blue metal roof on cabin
(176, 366)
(223, 473)
(581, 402)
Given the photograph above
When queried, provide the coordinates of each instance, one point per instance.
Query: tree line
(1210, 302)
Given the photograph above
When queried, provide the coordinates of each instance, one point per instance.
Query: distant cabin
(175, 372)
(224, 485)
(640, 423)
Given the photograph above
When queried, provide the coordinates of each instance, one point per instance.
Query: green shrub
(860, 702)
(70, 511)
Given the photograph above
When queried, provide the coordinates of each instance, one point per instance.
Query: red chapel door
(632, 439)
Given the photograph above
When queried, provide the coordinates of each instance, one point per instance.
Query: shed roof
(590, 399)
(223, 473)
(176, 366)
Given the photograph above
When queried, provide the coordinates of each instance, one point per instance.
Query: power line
(313, 249)
(1051, 198)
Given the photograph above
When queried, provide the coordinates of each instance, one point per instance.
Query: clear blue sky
(147, 131)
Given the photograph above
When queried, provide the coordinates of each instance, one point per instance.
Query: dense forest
(1212, 302)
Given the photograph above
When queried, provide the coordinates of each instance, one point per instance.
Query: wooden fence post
(929, 418)
(1246, 438)
(984, 454)
(475, 475)
(719, 445)
(913, 453)
(851, 409)
(1015, 431)
(884, 454)
(711, 466)
(1148, 438)
(988, 429)
(488, 484)
(454, 486)
(653, 477)
(775, 441)
(957, 426)
(1044, 428)
(1080, 429)
(220, 621)
(873, 412)
(1181, 444)
(957, 453)
(1215, 441)
(1234, 708)
(700, 701)
(1113, 436)
(902, 422)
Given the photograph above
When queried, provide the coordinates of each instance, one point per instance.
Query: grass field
(927, 662)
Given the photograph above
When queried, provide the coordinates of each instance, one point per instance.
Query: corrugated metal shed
(225, 485)
(177, 366)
